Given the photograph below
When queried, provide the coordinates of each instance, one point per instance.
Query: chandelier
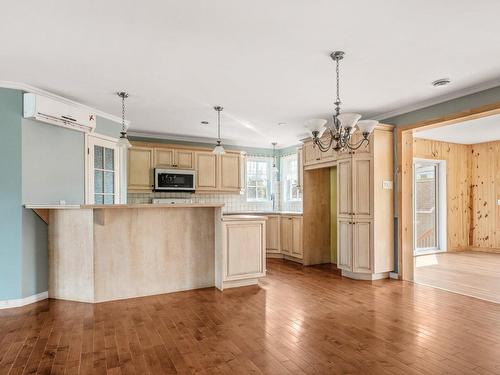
(343, 126)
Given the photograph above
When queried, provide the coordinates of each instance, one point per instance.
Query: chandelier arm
(357, 145)
(322, 147)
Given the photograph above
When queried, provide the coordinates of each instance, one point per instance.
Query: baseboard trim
(11, 303)
(365, 276)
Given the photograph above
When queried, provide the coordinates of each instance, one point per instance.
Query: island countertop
(113, 206)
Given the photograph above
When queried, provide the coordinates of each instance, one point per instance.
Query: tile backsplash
(232, 202)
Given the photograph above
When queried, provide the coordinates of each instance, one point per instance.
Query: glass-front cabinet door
(103, 179)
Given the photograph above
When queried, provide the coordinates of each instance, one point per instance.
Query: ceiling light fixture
(123, 140)
(441, 82)
(218, 149)
(344, 125)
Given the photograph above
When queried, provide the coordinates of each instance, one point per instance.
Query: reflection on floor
(472, 273)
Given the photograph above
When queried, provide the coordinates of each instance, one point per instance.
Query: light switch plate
(387, 185)
(498, 202)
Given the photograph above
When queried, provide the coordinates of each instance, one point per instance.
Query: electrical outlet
(62, 202)
(387, 185)
(498, 202)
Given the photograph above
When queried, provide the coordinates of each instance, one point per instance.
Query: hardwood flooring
(298, 321)
(472, 273)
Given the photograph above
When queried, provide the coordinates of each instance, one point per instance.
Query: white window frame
(441, 214)
(92, 140)
(269, 190)
(284, 191)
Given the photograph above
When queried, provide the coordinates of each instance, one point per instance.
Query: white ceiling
(265, 61)
(485, 129)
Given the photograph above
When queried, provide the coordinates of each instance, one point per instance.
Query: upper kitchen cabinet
(207, 171)
(214, 173)
(314, 158)
(174, 158)
(140, 169)
(222, 173)
(230, 172)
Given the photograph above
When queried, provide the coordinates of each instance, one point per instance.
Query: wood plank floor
(299, 321)
(472, 273)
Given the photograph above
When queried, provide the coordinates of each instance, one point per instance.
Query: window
(259, 179)
(102, 171)
(429, 206)
(289, 178)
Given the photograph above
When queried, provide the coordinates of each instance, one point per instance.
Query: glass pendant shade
(367, 126)
(218, 150)
(316, 125)
(123, 141)
(348, 120)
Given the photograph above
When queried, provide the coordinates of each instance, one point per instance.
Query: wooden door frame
(405, 177)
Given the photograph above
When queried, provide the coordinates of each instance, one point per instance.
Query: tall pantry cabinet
(365, 216)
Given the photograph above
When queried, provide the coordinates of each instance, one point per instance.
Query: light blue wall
(53, 160)
(451, 106)
(10, 194)
(34, 254)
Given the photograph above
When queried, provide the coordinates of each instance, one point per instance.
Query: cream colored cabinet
(173, 158)
(313, 157)
(286, 235)
(229, 172)
(164, 158)
(361, 246)
(297, 250)
(243, 251)
(184, 159)
(344, 190)
(365, 209)
(311, 154)
(273, 234)
(206, 171)
(291, 236)
(344, 244)
(140, 169)
(362, 187)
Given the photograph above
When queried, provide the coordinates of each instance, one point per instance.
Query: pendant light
(218, 149)
(123, 140)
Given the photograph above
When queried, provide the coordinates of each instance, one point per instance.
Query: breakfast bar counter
(102, 253)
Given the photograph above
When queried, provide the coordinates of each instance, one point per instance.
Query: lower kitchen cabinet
(355, 251)
(273, 234)
(243, 250)
(291, 236)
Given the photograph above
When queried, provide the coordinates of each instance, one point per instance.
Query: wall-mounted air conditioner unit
(55, 112)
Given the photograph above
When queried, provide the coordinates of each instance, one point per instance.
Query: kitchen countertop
(243, 217)
(113, 206)
(263, 213)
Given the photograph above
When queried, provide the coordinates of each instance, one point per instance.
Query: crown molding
(35, 90)
(438, 99)
(195, 139)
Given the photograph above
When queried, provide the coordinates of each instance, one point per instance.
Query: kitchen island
(100, 253)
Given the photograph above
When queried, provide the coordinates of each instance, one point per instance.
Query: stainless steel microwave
(175, 180)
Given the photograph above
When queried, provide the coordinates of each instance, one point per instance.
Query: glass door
(103, 172)
(426, 206)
